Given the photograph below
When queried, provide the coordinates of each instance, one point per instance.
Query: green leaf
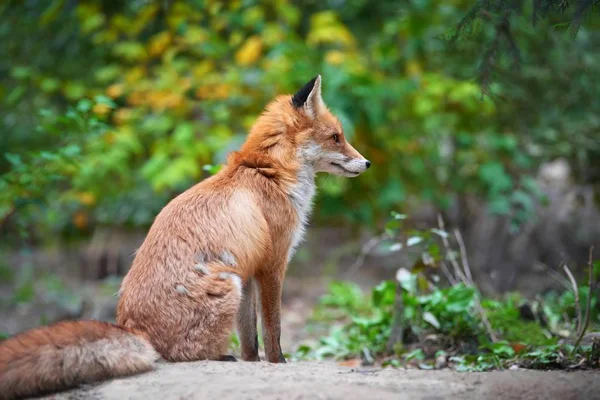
(397, 216)
(415, 354)
(71, 150)
(14, 159)
(84, 105)
(20, 72)
(212, 169)
(500, 206)
(102, 99)
(384, 294)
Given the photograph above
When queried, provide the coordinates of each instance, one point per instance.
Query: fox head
(302, 129)
(322, 143)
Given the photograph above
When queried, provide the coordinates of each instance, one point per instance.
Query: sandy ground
(324, 380)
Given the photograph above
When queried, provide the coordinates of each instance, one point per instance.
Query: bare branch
(485, 320)
(397, 334)
(463, 255)
(576, 292)
(448, 274)
(557, 277)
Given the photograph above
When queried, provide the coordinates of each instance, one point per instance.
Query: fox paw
(251, 358)
(226, 357)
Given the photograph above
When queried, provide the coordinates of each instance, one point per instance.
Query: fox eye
(336, 138)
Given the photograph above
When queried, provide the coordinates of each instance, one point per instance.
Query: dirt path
(321, 380)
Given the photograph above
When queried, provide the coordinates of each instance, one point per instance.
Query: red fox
(212, 255)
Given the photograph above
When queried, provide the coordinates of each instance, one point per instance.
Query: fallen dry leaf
(353, 363)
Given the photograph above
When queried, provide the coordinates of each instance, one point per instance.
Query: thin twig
(463, 255)
(485, 320)
(364, 252)
(447, 274)
(557, 277)
(397, 334)
(591, 286)
(457, 270)
(468, 282)
(576, 292)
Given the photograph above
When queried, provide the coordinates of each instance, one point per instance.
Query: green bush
(450, 320)
(135, 98)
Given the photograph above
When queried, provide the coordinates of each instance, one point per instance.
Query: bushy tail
(66, 354)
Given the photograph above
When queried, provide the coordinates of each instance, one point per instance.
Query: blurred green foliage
(111, 108)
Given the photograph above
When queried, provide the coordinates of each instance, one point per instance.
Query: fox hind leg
(211, 315)
(246, 322)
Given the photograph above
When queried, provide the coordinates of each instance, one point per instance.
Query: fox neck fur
(301, 195)
(277, 149)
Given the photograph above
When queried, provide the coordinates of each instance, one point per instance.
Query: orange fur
(213, 252)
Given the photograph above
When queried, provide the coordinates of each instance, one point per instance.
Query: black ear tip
(301, 95)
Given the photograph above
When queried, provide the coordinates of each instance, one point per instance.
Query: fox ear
(309, 98)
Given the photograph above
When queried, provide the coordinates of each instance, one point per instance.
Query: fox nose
(368, 163)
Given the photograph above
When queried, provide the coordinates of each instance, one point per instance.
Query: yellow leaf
(114, 90)
(80, 219)
(160, 100)
(101, 109)
(195, 35)
(250, 51)
(273, 34)
(159, 43)
(86, 198)
(334, 57)
(120, 117)
(184, 84)
(134, 74)
(203, 68)
(326, 27)
(218, 91)
(136, 98)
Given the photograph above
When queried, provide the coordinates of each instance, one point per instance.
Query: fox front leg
(270, 296)
(246, 322)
